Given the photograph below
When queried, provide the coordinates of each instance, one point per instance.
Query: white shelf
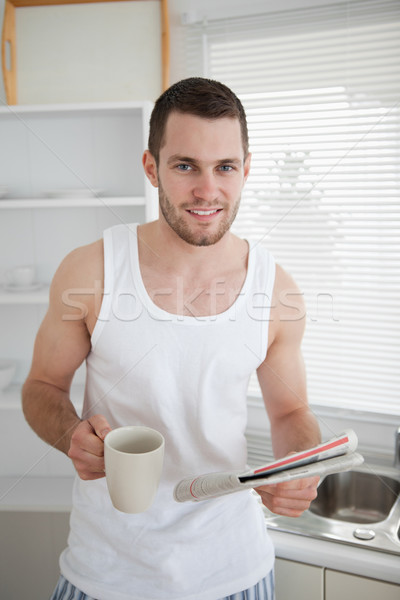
(67, 173)
(99, 202)
(40, 296)
(90, 107)
(93, 147)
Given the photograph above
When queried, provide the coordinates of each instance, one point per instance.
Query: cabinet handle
(8, 53)
(165, 44)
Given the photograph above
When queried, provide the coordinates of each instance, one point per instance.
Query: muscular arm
(282, 380)
(62, 344)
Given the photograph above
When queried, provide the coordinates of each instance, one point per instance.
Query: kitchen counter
(337, 556)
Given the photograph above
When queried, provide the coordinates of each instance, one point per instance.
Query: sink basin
(359, 507)
(356, 497)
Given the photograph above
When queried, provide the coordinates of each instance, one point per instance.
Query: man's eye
(183, 167)
(226, 168)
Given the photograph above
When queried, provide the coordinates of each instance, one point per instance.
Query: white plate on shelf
(63, 194)
(33, 287)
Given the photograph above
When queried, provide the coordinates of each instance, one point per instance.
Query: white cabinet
(298, 580)
(343, 586)
(66, 173)
(308, 582)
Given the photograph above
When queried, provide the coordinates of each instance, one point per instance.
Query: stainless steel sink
(359, 507)
(357, 497)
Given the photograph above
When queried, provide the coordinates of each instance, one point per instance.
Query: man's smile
(203, 214)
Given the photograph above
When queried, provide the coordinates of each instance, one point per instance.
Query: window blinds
(321, 88)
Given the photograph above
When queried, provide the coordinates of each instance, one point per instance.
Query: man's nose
(206, 187)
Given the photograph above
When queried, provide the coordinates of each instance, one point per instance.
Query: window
(321, 88)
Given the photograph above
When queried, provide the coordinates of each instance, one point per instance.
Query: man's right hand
(87, 447)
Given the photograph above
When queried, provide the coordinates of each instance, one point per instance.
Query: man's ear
(247, 163)
(150, 167)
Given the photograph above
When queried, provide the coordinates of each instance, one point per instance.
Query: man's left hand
(289, 498)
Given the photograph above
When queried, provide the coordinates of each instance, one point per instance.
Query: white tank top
(186, 377)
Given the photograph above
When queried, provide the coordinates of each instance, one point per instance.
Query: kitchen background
(39, 225)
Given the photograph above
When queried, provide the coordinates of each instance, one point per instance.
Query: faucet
(397, 448)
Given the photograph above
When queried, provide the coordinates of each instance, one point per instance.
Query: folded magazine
(333, 456)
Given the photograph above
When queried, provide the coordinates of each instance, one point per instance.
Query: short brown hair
(197, 96)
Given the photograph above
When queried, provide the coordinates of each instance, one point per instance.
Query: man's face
(201, 174)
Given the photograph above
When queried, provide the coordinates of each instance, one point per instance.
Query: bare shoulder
(78, 281)
(83, 265)
(288, 311)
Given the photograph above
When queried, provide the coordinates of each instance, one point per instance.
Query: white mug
(21, 276)
(134, 457)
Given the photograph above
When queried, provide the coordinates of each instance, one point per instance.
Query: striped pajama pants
(263, 590)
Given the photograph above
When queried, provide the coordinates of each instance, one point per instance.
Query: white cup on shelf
(7, 372)
(21, 276)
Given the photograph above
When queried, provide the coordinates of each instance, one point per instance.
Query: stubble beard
(185, 232)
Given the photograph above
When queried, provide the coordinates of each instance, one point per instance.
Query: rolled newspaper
(330, 457)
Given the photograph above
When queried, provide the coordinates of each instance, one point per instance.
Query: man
(189, 311)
